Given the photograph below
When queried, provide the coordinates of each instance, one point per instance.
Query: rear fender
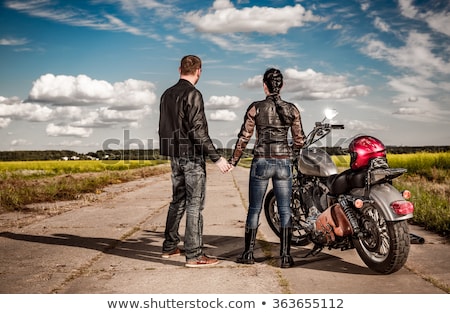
(383, 195)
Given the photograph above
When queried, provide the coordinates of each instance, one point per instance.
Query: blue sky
(87, 75)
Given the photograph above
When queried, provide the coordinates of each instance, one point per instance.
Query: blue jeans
(188, 196)
(280, 171)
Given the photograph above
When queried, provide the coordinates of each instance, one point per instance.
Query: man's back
(183, 128)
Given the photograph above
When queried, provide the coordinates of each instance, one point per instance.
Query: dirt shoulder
(31, 213)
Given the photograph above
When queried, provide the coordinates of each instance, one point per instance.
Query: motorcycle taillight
(402, 207)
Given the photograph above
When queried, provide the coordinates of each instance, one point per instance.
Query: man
(183, 136)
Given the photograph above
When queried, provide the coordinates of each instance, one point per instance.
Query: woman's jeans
(188, 196)
(280, 171)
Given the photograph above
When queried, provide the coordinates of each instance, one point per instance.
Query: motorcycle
(374, 213)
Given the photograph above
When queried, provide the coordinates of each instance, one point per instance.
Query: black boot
(285, 248)
(250, 241)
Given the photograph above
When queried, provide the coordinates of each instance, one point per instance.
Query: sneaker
(173, 253)
(202, 261)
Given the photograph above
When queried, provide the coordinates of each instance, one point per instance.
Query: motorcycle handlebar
(321, 130)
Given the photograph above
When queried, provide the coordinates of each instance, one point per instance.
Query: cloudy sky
(87, 75)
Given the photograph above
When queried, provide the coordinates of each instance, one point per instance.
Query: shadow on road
(148, 248)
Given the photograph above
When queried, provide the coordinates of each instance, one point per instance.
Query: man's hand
(223, 165)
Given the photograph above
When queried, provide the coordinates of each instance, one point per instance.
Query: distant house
(74, 158)
(65, 158)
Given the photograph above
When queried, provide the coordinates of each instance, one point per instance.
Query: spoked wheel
(299, 236)
(384, 246)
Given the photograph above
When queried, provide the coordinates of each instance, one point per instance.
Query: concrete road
(113, 246)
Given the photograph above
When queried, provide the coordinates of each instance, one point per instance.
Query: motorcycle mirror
(330, 113)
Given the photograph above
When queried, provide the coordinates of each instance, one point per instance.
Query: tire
(385, 245)
(299, 237)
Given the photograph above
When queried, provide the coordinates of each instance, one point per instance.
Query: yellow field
(57, 167)
(417, 162)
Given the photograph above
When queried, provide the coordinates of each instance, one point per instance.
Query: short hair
(273, 80)
(189, 64)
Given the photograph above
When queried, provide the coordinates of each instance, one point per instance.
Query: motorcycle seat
(345, 181)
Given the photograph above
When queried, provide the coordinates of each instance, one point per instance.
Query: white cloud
(115, 22)
(136, 6)
(381, 25)
(410, 111)
(69, 113)
(64, 90)
(334, 26)
(422, 67)
(20, 142)
(4, 122)
(413, 86)
(67, 130)
(133, 94)
(238, 43)
(106, 117)
(67, 14)
(419, 109)
(358, 125)
(13, 41)
(439, 21)
(416, 55)
(223, 102)
(223, 115)
(253, 82)
(407, 9)
(312, 85)
(225, 18)
(14, 109)
(71, 104)
(365, 5)
(217, 83)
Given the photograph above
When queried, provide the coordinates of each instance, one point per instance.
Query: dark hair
(273, 80)
(189, 64)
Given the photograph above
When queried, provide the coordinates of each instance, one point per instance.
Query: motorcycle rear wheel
(299, 236)
(385, 245)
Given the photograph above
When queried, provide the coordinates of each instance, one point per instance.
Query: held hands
(223, 165)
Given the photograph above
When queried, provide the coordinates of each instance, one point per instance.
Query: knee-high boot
(250, 241)
(285, 248)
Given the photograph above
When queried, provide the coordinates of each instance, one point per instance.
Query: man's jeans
(188, 195)
(280, 171)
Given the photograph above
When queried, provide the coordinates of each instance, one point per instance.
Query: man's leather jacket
(272, 127)
(183, 128)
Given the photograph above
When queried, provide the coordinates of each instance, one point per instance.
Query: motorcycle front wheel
(384, 245)
(299, 236)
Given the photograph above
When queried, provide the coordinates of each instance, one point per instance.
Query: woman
(272, 117)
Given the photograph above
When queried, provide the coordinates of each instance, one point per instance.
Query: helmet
(363, 149)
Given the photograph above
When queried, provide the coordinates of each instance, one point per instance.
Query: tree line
(152, 154)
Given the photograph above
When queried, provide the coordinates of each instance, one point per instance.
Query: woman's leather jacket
(272, 128)
(183, 128)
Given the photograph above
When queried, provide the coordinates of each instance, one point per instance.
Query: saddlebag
(331, 223)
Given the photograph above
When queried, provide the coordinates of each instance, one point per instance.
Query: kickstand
(315, 250)
(416, 239)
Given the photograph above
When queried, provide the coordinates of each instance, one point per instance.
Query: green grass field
(28, 182)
